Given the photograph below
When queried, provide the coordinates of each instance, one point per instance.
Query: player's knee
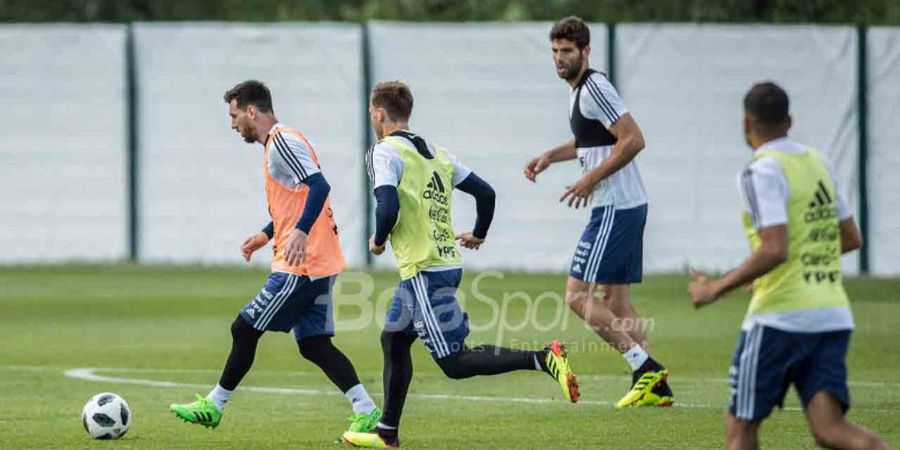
(576, 300)
(386, 340)
(607, 297)
(241, 330)
(453, 367)
(315, 348)
(872, 441)
(389, 345)
(455, 372)
(823, 437)
(395, 347)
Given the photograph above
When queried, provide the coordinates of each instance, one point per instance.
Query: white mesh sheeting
(489, 94)
(884, 159)
(62, 155)
(201, 185)
(685, 86)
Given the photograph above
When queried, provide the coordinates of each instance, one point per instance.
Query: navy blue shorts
(425, 305)
(611, 249)
(293, 302)
(767, 361)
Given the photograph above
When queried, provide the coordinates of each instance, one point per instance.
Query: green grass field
(159, 334)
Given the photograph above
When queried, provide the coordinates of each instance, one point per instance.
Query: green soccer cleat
(641, 393)
(556, 363)
(368, 440)
(364, 423)
(202, 412)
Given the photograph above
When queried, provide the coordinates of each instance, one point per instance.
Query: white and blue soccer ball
(106, 416)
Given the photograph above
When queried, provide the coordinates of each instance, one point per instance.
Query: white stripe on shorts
(751, 405)
(428, 314)
(593, 254)
(276, 302)
(437, 337)
(609, 217)
(744, 404)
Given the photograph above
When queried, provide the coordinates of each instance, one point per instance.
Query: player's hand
(295, 247)
(468, 240)
(252, 244)
(536, 166)
(703, 290)
(375, 249)
(579, 193)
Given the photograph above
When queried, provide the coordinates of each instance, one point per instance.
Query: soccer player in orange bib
(297, 294)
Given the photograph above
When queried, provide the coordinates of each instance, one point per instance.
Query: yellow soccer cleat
(654, 399)
(643, 388)
(367, 440)
(556, 363)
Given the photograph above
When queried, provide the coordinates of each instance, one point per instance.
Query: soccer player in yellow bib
(413, 180)
(797, 328)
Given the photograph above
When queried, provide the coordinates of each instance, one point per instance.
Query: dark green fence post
(863, 131)
(367, 137)
(131, 105)
(611, 53)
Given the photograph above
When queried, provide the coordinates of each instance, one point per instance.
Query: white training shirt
(600, 101)
(387, 164)
(290, 161)
(765, 193)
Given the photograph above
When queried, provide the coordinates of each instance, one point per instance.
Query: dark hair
(572, 28)
(767, 103)
(396, 99)
(250, 92)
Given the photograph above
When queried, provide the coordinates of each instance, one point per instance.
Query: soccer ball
(106, 416)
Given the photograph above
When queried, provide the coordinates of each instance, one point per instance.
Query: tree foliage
(875, 12)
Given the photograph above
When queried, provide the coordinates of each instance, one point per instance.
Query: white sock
(537, 361)
(219, 396)
(360, 400)
(636, 357)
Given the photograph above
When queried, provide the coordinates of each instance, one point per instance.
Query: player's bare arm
(295, 247)
(374, 248)
(564, 152)
(772, 252)
(630, 142)
(253, 243)
(851, 239)
(468, 240)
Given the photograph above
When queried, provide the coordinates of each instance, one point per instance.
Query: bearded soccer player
(797, 328)
(413, 181)
(307, 259)
(609, 254)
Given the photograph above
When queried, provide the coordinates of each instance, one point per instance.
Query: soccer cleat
(368, 440)
(661, 395)
(654, 399)
(202, 412)
(364, 423)
(643, 387)
(556, 363)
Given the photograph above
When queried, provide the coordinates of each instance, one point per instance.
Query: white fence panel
(201, 185)
(489, 93)
(62, 155)
(685, 85)
(884, 158)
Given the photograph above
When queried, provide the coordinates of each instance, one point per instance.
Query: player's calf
(831, 429)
